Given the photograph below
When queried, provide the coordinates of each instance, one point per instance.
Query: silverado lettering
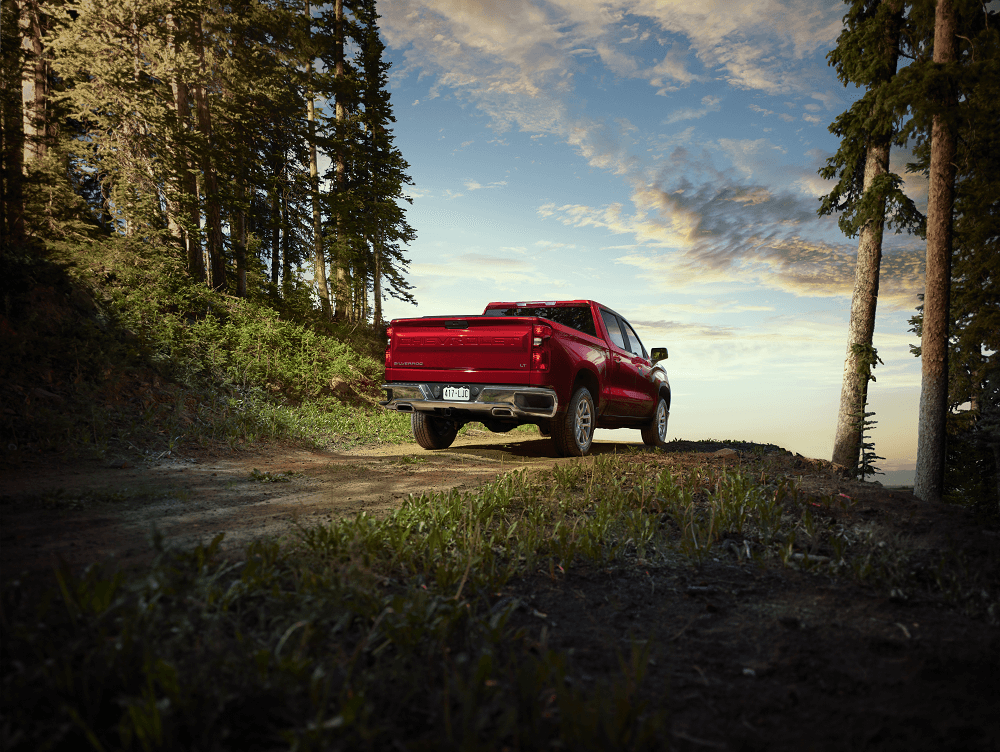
(568, 367)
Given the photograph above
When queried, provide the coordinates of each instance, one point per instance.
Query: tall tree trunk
(186, 179)
(286, 243)
(377, 281)
(931, 434)
(275, 232)
(11, 131)
(341, 286)
(319, 255)
(34, 91)
(861, 330)
(213, 211)
(174, 190)
(240, 229)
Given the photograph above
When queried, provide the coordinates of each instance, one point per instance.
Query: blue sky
(661, 157)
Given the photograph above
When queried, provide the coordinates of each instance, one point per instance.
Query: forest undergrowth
(111, 350)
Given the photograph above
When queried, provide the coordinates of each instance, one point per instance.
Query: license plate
(460, 393)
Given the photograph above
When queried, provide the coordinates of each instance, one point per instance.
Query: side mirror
(658, 353)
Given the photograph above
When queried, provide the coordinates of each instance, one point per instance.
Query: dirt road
(90, 512)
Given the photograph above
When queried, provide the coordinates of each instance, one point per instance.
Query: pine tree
(972, 452)
(198, 125)
(867, 195)
(929, 482)
(382, 171)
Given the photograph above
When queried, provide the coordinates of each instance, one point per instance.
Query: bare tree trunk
(174, 187)
(240, 230)
(319, 255)
(286, 244)
(861, 331)
(377, 281)
(12, 135)
(213, 212)
(34, 90)
(341, 286)
(275, 230)
(187, 182)
(931, 434)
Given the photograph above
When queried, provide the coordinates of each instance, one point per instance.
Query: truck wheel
(432, 432)
(655, 434)
(573, 432)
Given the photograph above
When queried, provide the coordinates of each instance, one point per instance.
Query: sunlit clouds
(661, 156)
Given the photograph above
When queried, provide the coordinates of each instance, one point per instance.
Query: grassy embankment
(110, 349)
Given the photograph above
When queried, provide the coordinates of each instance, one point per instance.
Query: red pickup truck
(567, 366)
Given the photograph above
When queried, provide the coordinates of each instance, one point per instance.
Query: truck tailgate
(478, 343)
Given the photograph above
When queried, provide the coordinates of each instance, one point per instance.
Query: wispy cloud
(751, 219)
(710, 226)
(709, 104)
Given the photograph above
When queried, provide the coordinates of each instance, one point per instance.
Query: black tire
(432, 432)
(655, 434)
(573, 430)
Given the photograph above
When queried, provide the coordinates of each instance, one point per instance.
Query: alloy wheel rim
(583, 421)
(661, 421)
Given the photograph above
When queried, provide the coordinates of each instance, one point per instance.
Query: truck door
(621, 379)
(641, 397)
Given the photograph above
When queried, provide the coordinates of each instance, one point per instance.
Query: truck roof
(538, 303)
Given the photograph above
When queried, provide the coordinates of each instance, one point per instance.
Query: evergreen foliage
(867, 195)
(867, 359)
(861, 58)
(184, 123)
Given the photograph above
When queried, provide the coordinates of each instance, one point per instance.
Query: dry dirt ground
(740, 657)
(87, 512)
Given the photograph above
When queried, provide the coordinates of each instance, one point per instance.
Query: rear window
(577, 317)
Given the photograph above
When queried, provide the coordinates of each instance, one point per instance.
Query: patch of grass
(268, 477)
(364, 632)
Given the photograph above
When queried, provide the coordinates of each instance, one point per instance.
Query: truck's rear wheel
(655, 434)
(573, 432)
(432, 432)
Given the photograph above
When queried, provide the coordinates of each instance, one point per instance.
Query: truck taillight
(540, 332)
(540, 360)
(388, 344)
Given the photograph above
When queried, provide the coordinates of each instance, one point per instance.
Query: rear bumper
(486, 401)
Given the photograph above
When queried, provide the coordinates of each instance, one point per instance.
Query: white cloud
(517, 59)
(709, 104)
